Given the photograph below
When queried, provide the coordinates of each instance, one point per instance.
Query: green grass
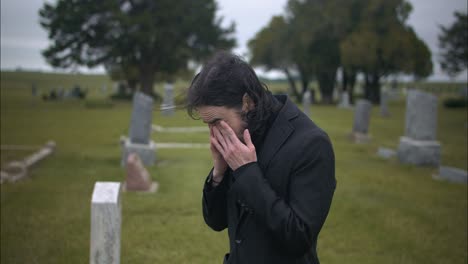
(383, 212)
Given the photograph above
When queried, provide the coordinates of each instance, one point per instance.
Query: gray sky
(22, 38)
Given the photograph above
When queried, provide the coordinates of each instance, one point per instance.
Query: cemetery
(401, 177)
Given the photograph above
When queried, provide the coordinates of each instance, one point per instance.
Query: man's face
(211, 115)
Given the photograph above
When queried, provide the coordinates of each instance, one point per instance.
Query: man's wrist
(216, 179)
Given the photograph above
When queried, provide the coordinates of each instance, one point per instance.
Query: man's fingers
(248, 139)
(219, 137)
(216, 145)
(227, 132)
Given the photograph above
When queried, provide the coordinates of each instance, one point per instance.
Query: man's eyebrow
(212, 121)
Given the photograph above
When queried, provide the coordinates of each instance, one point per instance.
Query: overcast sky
(22, 38)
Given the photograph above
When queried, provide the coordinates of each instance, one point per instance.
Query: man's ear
(247, 103)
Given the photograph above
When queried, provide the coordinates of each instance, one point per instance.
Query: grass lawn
(383, 211)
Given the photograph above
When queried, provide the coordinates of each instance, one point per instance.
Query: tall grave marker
(167, 107)
(106, 221)
(140, 131)
(419, 145)
(362, 114)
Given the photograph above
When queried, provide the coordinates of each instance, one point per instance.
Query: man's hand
(234, 152)
(219, 164)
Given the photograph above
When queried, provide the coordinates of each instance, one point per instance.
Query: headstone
(419, 145)
(167, 107)
(306, 100)
(362, 114)
(138, 178)
(384, 98)
(386, 153)
(106, 220)
(344, 103)
(140, 126)
(140, 131)
(452, 175)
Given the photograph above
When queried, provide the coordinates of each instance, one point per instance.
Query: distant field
(383, 212)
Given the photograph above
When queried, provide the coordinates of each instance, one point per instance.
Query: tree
(382, 44)
(318, 27)
(453, 41)
(271, 48)
(151, 36)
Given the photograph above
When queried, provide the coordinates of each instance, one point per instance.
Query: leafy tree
(453, 41)
(271, 48)
(382, 44)
(318, 26)
(150, 36)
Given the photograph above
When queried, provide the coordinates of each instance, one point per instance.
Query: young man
(273, 175)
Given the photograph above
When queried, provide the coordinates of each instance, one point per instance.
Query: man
(273, 178)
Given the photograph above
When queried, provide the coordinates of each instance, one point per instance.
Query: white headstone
(106, 219)
(168, 107)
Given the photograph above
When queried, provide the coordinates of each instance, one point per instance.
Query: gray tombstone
(167, 107)
(106, 221)
(140, 126)
(344, 103)
(386, 153)
(140, 131)
(362, 114)
(452, 175)
(421, 115)
(419, 145)
(306, 100)
(384, 98)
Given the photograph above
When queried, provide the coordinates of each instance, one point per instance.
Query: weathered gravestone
(140, 131)
(384, 98)
(344, 102)
(167, 107)
(138, 178)
(362, 114)
(452, 174)
(419, 145)
(306, 100)
(106, 221)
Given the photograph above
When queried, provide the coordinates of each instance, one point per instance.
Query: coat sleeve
(295, 224)
(215, 203)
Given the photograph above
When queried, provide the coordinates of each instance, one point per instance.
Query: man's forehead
(211, 114)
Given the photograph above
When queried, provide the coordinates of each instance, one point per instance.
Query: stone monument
(362, 114)
(384, 98)
(140, 131)
(167, 107)
(106, 221)
(344, 103)
(419, 145)
(138, 178)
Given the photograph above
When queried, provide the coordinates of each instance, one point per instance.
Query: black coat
(274, 208)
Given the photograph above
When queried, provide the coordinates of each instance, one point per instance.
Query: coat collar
(279, 131)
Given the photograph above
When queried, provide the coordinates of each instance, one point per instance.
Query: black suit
(274, 208)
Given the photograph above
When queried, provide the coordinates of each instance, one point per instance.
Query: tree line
(143, 40)
(313, 39)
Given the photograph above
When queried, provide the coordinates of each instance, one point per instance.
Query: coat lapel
(278, 133)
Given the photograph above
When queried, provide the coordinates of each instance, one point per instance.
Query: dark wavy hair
(223, 81)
